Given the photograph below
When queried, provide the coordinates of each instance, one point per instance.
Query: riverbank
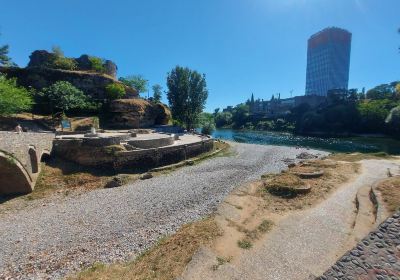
(364, 144)
(110, 225)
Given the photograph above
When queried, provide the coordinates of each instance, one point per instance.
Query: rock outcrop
(92, 84)
(137, 113)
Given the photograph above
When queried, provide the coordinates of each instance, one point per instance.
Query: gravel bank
(107, 225)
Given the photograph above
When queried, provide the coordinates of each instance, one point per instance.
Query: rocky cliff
(136, 113)
(92, 84)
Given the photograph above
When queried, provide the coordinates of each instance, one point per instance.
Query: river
(349, 144)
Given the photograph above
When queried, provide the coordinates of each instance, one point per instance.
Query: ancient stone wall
(110, 158)
(20, 159)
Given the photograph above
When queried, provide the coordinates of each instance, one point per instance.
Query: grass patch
(265, 226)
(284, 185)
(165, 261)
(221, 261)
(245, 244)
(390, 190)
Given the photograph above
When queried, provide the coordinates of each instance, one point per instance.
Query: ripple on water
(351, 144)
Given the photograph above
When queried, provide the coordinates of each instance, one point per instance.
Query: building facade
(328, 61)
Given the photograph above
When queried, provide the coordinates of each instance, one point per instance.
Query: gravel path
(307, 243)
(106, 225)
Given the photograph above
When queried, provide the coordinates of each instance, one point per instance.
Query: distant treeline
(351, 112)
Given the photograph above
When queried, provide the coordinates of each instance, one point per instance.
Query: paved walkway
(305, 244)
(53, 238)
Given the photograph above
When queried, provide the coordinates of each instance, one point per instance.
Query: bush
(63, 96)
(63, 63)
(13, 99)
(97, 64)
(208, 128)
(115, 91)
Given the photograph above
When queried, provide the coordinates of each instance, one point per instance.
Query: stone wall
(377, 256)
(20, 156)
(92, 84)
(112, 157)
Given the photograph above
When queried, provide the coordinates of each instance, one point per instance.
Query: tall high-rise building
(328, 61)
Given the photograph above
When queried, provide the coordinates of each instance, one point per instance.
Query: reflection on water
(354, 144)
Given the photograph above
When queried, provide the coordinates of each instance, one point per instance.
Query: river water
(351, 144)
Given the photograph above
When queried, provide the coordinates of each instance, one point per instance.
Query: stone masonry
(20, 156)
(377, 256)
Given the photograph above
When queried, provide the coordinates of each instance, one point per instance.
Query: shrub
(63, 96)
(208, 128)
(97, 64)
(63, 63)
(13, 99)
(115, 91)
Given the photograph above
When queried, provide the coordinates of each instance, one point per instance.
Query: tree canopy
(157, 93)
(5, 60)
(135, 81)
(13, 99)
(187, 94)
(63, 96)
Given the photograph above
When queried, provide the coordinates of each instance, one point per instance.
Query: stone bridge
(20, 157)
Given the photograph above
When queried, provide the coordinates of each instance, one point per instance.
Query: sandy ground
(303, 244)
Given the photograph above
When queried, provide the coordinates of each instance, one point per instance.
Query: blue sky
(242, 46)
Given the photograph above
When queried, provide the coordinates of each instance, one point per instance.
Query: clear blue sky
(243, 46)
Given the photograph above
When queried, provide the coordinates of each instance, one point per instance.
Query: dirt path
(303, 244)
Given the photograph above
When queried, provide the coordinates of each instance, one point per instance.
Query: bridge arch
(13, 177)
(33, 159)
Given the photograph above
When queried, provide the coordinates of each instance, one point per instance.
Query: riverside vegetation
(376, 111)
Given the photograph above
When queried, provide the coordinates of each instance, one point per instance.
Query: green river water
(350, 144)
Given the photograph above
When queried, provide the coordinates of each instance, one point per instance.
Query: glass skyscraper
(328, 61)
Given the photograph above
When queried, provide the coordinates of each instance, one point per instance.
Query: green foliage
(97, 64)
(63, 96)
(207, 123)
(223, 119)
(115, 91)
(135, 81)
(187, 94)
(373, 113)
(240, 115)
(393, 121)
(59, 61)
(384, 91)
(13, 99)
(157, 93)
(5, 60)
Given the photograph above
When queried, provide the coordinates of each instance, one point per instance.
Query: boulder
(137, 113)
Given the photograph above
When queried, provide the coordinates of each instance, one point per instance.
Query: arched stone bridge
(20, 157)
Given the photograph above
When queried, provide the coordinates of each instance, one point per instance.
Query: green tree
(240, 115)
(382, 91)
(135, 81)
(393, 121)
(5, 60)
(187, 94)
(223, 119)
(13, 99)
(207, 123)
(115, 91)
(63, 96)
(157, 93)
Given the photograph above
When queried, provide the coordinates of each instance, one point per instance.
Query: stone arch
(34, 159)
(13, 177)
